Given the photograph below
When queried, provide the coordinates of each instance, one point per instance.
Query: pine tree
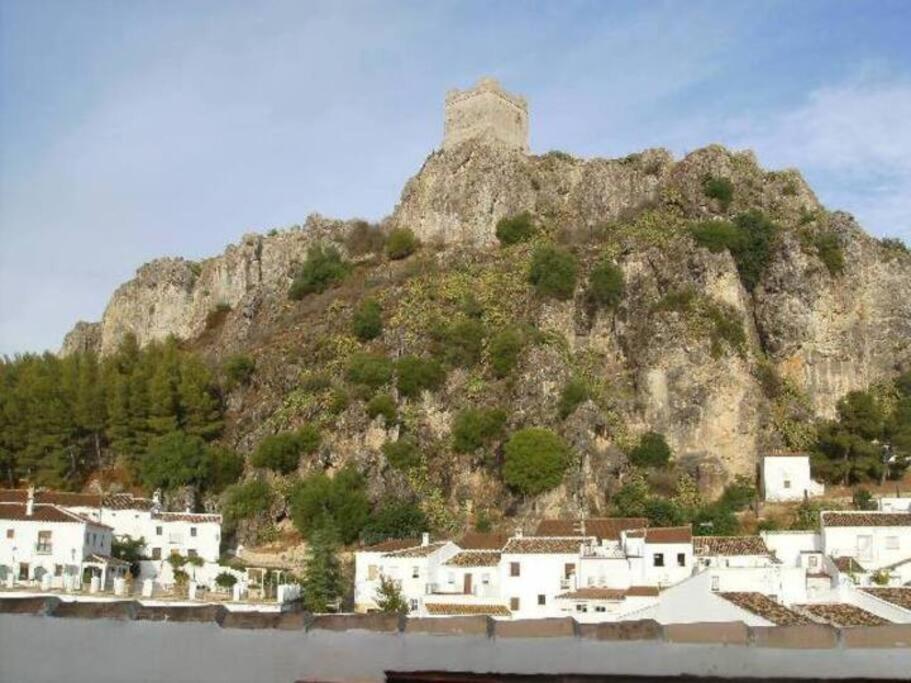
(322, 583)
(201, 408)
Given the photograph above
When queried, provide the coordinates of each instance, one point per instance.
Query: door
(466, 584)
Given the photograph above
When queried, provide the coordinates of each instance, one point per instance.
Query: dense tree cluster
(62, 418)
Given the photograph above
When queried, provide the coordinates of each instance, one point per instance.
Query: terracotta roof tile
(417, 551)
(729, 545)
(43, 512)
(114, 501)
(601, 527)
(669, 534)
(642, 591)
(787, 454)
(474, 558)
(453, 609)
(842, 614)
(865, 518)
(192, 517)
(765, 607)
(897, 596)
(542, 545)
(476, 540)
(391, 544)
(848, 565)
(614, 594)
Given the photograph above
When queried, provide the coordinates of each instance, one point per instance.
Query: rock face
(658, 360)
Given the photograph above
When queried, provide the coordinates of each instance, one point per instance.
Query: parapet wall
(125, 641)
(486, 112)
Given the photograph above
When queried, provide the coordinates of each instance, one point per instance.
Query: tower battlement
(486, 112)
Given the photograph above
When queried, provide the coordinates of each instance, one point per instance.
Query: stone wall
(486, 112)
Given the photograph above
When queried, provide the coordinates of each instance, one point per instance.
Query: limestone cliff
(659, 362)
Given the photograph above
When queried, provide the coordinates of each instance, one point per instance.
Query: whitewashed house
(894, 504)
(786, 477)
(49, 546)
(877, 541)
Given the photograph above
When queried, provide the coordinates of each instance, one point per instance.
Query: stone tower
(488, 112)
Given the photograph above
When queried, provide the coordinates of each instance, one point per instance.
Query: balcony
(44, 548)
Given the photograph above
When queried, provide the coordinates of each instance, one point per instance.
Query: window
(658, 559)
(415, 572)
(814, 561)
(581, 607)
(193, 531)
(542, 599)
(681, 559)
(44, 542)
(715, 583)
(514, 569)
(485, 579)
(191, 552)
(891, 542)
(450, 578)
(413, 604)
(372, 572)
(514, 604)
(23, 571)
(10, 533)
(787, 483)
(600, 608)
(158, 531)
(156, 553)
(569, 570)
(58, 570)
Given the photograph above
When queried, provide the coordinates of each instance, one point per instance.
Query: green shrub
(716, 236)
(338, 400)
(738, 495)
(369, 369)
(225, 580)
(246, 501)
(715, 520)
(364, 238)
(754, 251)
(505, 348)
(895, 245)
(461, 343)
(322, 269)
(395, 519)
(239, 370)
(476, 427)
(382, 404)
(606, 285)
(829, 251)
(340, 502)
(862, 499)
(574, 393)
(415, 375)
(726, 328)
(553, 272)
(515, 229)
(315, 382)
(368, 320)
(721, 189)
(651, 451)
(400, 243)
(535, 460)
(402, 454)
(631, 499)
(663, 512)
(279, 452)
(482, 522)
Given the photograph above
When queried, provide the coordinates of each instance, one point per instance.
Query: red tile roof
(474, 558)
(43, 512)
(418, 550)
(391, 544)
(842, 614)
(192, 517)
(613, 594)
(476, 540)
(601, 527)
(530, 545)
(669, 534)
(453, 609)
(865, 518)
(729, 545)
(642, 591)
(763, 606)
(114, 501)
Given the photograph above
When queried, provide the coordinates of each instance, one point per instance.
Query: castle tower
(488, 112)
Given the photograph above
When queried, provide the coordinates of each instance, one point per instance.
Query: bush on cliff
(535, 460)
(721, 189)
(651, 451)
(476, 427)
(340, 501)
(606, 287)
(505, 348)
(323, 268)
(553, 272)
(415, 374)
(371, 370)
(281, 452)
(400, 243)
(515, 229)
(238, 370)
(368, 320)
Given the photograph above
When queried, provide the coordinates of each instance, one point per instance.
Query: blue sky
(131, 130)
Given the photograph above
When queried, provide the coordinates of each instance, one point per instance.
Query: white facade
(894, 504)
(787, 478)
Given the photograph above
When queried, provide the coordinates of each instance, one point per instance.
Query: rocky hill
(725, 359)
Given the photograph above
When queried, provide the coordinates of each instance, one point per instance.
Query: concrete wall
(124, 642)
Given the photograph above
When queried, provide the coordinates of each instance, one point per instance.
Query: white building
(53, 547)
(894, 504)
(786, 477)
(877, 541)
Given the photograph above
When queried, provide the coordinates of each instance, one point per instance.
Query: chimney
(30, 502)
(518, 532)
(425, 538)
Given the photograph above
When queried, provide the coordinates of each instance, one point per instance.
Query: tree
(651, 451)
(322, 269)
(248, 500)
(226, 467)
(225, 581)
(400, 243)
(395, 519)
(663, 512)
(535, 460)
(515, 229)
(368, 320)
(174, 460)
(200, 407)
(278, 452)
(129, 550)
(340, 501)
(476, 427)
(389, 598)
(415, 375)
(505, 348)
(238, 370)
(632, 497)
(322, 583)
(553, 272)
(862, 499)
(606, 286)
